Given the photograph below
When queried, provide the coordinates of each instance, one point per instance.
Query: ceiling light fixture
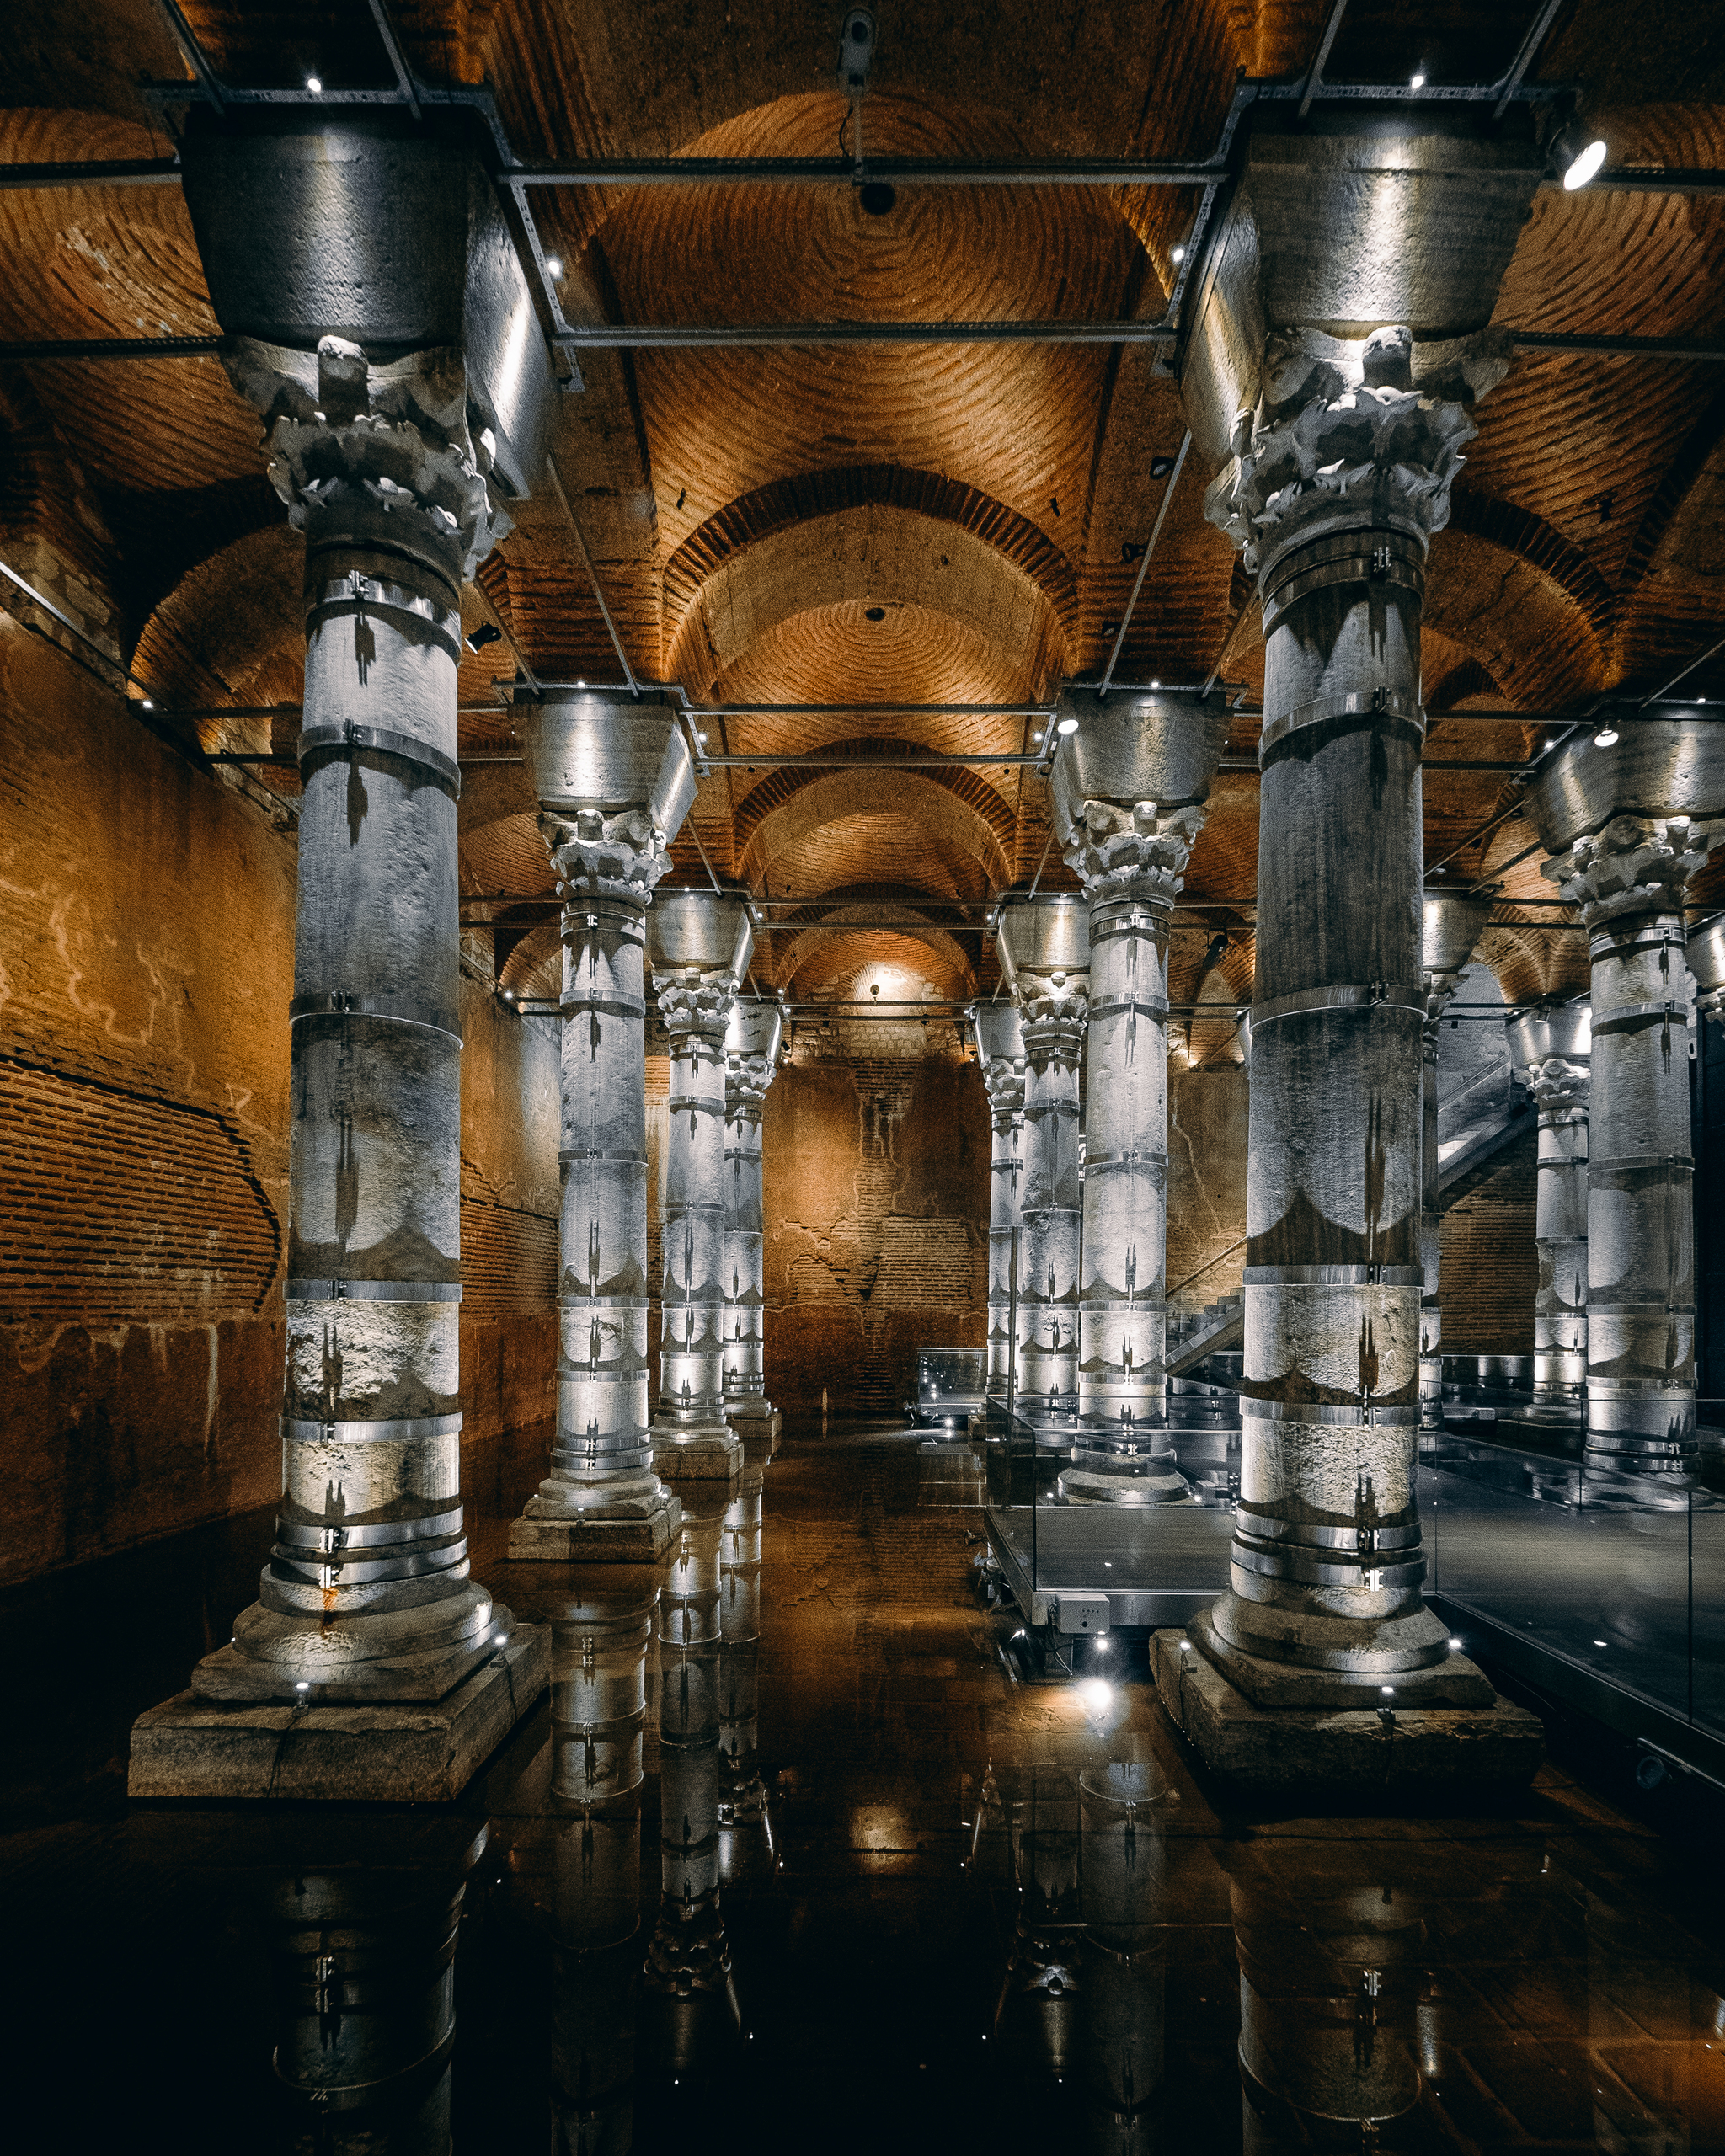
(554, 263)
(1585, 166)
(1067, 725)
(1156, 685)
(149, 703)
(1416, 80)
(1606, 736)
(314, 86)
(1179, 254)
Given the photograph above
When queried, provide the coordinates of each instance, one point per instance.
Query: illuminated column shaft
(691, 1429)
(1048, 1249)
(367, 1594)
(1560, 1091)
(1326, 1566)
(1629, 882)
(1131, 872)
(1000, 1040)
(747, 1080)
(1451, 925)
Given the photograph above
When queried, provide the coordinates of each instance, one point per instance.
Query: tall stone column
(999, 1041)
(614, 780)
(751, 1060)
(1046, 957)
(1333, 493)
(699, 943)
(366, 1596)
(1628, 878)
(1554, 1048)
(1129, 787)
(1451, 924)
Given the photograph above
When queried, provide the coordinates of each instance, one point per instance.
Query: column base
(1408, 1653)
(402, 1752)
(1314, 1751)
(273, 1658)
(700, 1452)
(549, 1532)
(1094, 1481)
(757, 1422)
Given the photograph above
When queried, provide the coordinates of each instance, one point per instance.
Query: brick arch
(868, 553)
(233, 614)
(806, 495)
(1519, 599)
(950, 821)
(969, 787)
(816, 948)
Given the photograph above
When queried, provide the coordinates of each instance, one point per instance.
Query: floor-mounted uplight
(1585, 166)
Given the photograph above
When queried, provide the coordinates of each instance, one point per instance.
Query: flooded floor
(973, 1913)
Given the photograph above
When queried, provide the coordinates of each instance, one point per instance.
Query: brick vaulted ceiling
(848, 526)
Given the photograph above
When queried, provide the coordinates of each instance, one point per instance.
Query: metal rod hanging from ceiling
(616, 642)
(1328, 39)
(1144, 561)
(1526, 52)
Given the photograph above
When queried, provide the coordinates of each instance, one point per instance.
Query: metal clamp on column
(422, 618)
(1630, 1017)
(1351, 1416)
(1145, 1006)
(1368, 706)
(1389, 561)
(1349, 995)
(319, 743)
(397, 1427)
(343, 1003)
(305, 1290)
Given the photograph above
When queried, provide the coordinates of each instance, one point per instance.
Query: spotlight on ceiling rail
(1067, 725)
(856, 52)
(1178, 254)
(554, 263)
(485, 633)
(1585, 165)
(1606, 736)
(314, 85)
(1416, 80)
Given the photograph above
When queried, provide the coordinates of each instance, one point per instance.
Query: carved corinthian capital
(1004, 1082)
(747, 1078)
(1560, 1088)
(1119, 852)
(691, 1001)
(1636, 864)
(621, 856)
(344, 434)
(1332, 434)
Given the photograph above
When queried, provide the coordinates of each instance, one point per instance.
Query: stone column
(1128, 783)
(1000, 1044)
(751, 1060)
(1333, 493)
(366, 1596)
(614, 781)
(1045, 954)
(1629, 878)
(700, 943)
(1553, 1047)
(1451, 924)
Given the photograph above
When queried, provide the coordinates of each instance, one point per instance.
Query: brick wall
(877, 1223)
(1490, 1261)
(145, 966)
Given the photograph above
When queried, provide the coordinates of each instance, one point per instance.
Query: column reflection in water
(1330, 1976)
(693, 2001)
(361, 1921)
(742, 1793)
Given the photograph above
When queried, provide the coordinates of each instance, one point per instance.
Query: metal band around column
(413, 612)
(1307, 1410)
(1353, 996)
(344, 1003)
(302, 1290)
(1332, 1275)
(321, 743)
(1370, 707)
(397, 1427)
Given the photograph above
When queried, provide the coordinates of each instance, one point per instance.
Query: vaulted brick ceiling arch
(918, 809)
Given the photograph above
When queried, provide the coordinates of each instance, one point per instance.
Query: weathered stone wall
(146, 967)
(876, 1175)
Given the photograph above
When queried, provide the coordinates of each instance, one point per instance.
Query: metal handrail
(1205, 1267)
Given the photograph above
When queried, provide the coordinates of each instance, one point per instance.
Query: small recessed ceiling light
(702, 739)
(149, 703)
(1606, 736)
(1417, 81)
(1039, 738)
(580, 685)
(1598, 1643)
(554, 263)
(1179, 254)
(314, 86)
(1156, 685)
(1585, 166)
(1067, 725)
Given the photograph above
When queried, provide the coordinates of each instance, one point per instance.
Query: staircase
(1192, 1336)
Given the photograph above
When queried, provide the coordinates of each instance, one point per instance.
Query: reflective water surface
(788, 1860)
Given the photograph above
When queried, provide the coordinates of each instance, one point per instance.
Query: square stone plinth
(705, 1458)
(422, 1752)
(761, 1434)
(1315, 1752)
(554, 1541)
